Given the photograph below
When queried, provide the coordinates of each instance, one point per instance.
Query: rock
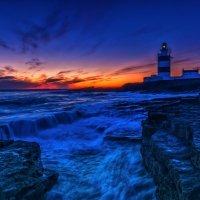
(171, 150)
(122, 138)
(22, 175)
(4, 143)
(156, 117)
(53, 195)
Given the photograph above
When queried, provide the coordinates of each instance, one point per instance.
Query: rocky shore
(22, 175)
(164, 86)
(171, 148)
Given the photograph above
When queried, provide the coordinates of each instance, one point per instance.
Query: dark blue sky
(60, 44)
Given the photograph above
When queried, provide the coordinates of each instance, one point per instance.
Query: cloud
(95, 78)
(145, 30)
(42, 77)
(54, 26)
(7, 78)
(7, 70)
(50, 80)
(2, 72)
(63, 82)
(64, 72)
(132, 69)
(10, 69)
(183, 60)
(74, 80)
(146, 72)
(34, 63)
(93, 48)
(4, 45)
(57, 81)
(11, 82)
(78, 71)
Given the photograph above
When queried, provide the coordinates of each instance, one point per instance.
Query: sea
(91, 139)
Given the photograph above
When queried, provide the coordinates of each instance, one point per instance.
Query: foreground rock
(171, 149)
(22, 175)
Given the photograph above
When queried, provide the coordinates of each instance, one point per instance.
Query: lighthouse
(164, 62)
(164, 68)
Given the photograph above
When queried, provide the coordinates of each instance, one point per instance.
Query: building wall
(165, 75)
(152, 78)
(190, 75)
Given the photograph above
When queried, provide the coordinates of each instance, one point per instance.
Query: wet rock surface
(171, 148)
(22, 175)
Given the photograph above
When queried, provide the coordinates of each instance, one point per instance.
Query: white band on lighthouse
(164, 64)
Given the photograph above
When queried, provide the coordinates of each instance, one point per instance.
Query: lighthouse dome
(164, 45)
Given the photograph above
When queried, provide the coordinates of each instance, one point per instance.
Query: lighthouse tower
(164, 62)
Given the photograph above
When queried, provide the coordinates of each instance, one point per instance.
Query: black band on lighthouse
(163, 69)
(163, 58)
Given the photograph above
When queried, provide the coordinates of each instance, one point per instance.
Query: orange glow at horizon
(73, 77)
(113, 82)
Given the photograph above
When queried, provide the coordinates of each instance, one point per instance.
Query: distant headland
(161, 86)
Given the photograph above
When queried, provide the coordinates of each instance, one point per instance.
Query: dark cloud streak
(53, 27)
(93, 48)
(7, 70)
(4, 45)
(64, 72)
(11, 83)
(7, 78)
(184, 60)
(34, 63)
(145, 30)
(50, 80)
(10, 69)
(132, 69)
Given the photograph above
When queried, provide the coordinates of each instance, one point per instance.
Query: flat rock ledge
(22, 175)
(171, 149)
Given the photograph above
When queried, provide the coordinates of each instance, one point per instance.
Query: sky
(93, 43)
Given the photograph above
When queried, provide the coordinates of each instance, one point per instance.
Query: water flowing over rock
(30, 127)
(22, 175)
(171, 149)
